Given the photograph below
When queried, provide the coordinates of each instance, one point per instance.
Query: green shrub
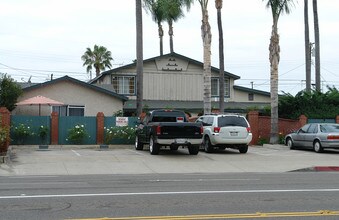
(43, 132)
(262, 141)
(77, 134)
(124, 132)
(22, 132)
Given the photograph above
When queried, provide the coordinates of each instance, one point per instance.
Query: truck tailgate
(180, 130)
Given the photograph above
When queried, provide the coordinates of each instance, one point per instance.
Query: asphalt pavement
(124, 159)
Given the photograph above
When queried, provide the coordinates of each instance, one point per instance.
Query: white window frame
(123, 84)
(227, 87)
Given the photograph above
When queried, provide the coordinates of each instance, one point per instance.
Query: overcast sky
(39, 38)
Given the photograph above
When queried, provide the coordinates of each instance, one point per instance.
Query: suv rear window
(232, 121)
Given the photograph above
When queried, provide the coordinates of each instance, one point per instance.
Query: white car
(225, 131)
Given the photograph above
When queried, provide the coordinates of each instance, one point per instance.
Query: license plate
(234, 133)
(180, 141)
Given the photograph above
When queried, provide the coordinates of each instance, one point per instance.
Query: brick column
(253, 119)
(54, 128)
(302, 120)
(5, 117)
(100, 127)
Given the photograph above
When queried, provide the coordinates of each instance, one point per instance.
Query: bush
(77, 134)
(22, 132)
(262, 141)
(3, 134)
(43, 132)
(125, 132)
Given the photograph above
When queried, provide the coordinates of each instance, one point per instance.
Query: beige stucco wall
(179, 81)
(242, 96)
(71, 94)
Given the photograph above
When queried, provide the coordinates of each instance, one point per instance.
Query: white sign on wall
(121, 121)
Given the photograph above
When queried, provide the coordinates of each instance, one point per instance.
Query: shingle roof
(31, 86)
(154, 58)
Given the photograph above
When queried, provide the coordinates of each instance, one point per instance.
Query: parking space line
(76, 153)
(135, 152)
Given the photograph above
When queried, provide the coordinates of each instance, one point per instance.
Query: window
(124, 85)
(215, 86)
(69, 110)
(250, 96)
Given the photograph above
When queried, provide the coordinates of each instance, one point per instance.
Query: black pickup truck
(168, 128)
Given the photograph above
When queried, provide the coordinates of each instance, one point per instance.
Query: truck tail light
(248, 129)
(180, 119)
(201, 129)
(158, 130)
(216, 129)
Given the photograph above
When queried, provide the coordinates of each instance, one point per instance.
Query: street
(122, 183)
(221, 194)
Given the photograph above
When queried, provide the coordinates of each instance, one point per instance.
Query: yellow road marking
(225, 216)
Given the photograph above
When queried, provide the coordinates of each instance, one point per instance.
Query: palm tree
(277, 7)
(307, 48)
(218, 6)
(140, 67)
(207, 39)
(173, 10)
(155, 8)
(317, 45)
(99, 58)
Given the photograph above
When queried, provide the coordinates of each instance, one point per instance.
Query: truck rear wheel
(138, 144)
(154, 148)
(193, 149)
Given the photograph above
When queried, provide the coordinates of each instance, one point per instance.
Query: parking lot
(79, 160)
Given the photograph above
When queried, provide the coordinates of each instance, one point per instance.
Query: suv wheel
(207, 145)
(243, 149)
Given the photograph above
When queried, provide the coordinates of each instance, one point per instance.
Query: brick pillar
(253, 119)
(302, 120)
(5, 117)
(100, 127)
(54, 128)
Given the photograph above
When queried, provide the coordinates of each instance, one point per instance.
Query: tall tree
(218, 6)
(99, 58)
(173, 10)
(139, 51)
(307, 48)
(207, 39)
(155, 8)
(10, 91)
(277, 7)
(317, 46)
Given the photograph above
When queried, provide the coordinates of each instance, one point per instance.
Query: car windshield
(232, 121)
(329, 128)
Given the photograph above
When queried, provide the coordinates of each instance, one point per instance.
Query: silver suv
(225, 131)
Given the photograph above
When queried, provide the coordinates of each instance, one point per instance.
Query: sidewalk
(124, 159)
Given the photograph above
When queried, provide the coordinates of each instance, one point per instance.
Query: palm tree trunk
(274, 61)
(139, 56)
(307, 48)
(317, 46)
(207, 38)
(161, 35)
(218, 5)
(170, 33)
